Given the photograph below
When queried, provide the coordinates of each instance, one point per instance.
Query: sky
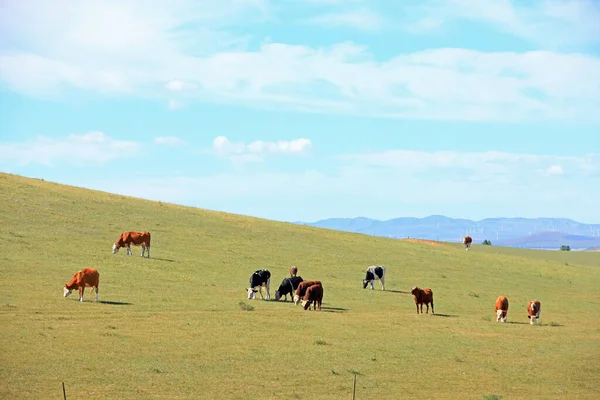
(300, 110)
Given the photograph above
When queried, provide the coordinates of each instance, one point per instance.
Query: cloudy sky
(308, 109)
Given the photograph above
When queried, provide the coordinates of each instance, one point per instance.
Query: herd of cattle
(306, 292)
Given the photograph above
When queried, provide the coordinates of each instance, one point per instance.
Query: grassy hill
(176, 326)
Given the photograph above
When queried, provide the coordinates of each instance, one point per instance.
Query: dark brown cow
(501, 309)
(301, 290)
(133, 238)
(313, 294)
(423, 296)
(533, 311)
(87, 277)
(467, 240)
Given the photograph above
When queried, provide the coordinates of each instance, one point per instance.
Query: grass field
(179, 325)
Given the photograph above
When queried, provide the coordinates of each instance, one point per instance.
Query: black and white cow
(375, 272)
(288, 285)
(260, 278)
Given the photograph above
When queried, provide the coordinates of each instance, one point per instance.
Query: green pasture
(179, 325)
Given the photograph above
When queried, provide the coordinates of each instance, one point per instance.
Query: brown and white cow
(423, 296)
(133, 238)
(467, 240)
(533, 311)
(301, 290)
(501, 309)
(87, 277)
(313, 294)
(293, 271)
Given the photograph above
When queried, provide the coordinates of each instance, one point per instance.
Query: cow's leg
(97, 294)
(128, 250)
(426, 308)
(372, 283)
(319, 302)
(81, 289)
(268, 289)
(260, 292)
(148, 249)
(433, 312)
(416, 304)
(143, 250)
(382, 283)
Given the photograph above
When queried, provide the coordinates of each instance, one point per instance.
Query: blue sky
(309, 109)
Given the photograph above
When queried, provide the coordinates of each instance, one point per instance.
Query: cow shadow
(395, 291)
(334, 309)
(445, 315)
(517, 323)
(115, 303)
(163, 259)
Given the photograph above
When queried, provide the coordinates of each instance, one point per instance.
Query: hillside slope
(175, 326)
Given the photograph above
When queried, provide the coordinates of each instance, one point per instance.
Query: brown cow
(423, 296)
(136, 238)
(87, 277)
(301, 290)
(467, 240)
(501, 309)
(533, 311)
(293, 271)
(313, 294)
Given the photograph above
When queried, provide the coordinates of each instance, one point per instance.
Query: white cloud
(169, 141)
(551, 23)
(555, 170)
(174, 105)
(362, 19)
(176, 85)
(89, 46)
(253, 151)
(86, 149)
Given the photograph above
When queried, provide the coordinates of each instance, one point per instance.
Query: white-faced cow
(467, 240)
(375, 272)
(314, 295)
(301, 290)
(288, 285)
(501, 309)
(533, 311)
(259, 278)
(133, 238)
(87, 277)
(423, 296)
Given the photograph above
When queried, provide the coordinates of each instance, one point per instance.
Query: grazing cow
(136, 238)
(260, 278)
(288, 285)
(375, 272)
(87, 277)
(501, 309)
(293, 271)
(467, 240)
(423, 296)
(313, 294)
(533, 311)
(301, 290)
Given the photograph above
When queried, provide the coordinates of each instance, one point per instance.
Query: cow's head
(306, 304)
(66, 291)
(251, 293)
(115, 248)
(414, 290)
(296, 299)
(499, 316)
(368, 278)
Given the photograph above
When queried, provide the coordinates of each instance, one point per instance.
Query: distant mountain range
(541, 233)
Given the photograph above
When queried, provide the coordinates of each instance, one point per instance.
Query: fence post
(64, 393)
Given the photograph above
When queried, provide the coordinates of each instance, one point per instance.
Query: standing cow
(260, 278)
(501, 309)
(533, 311)
(314, 294)
(293, 271)
(467, 240)
(288, 285)
(133, 238)
(301, 290)
(423, 296)
(375, 272)
(87, 277)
